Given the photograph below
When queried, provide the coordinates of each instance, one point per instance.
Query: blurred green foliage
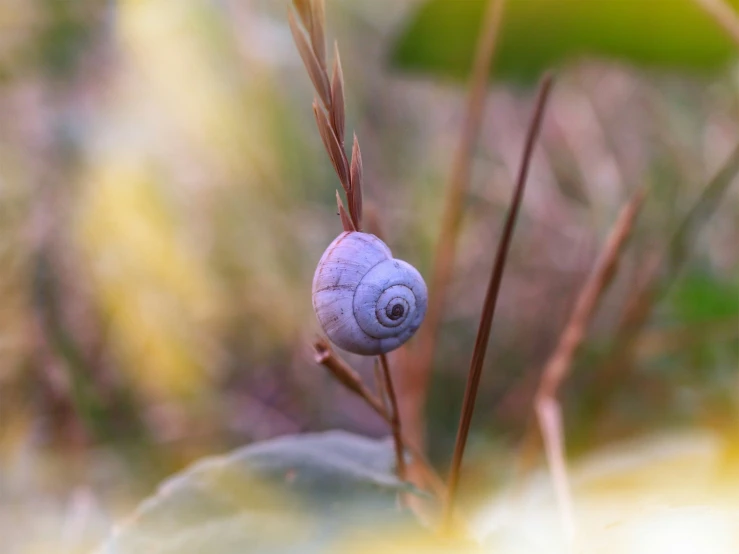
(65, 35)
(540, 34)
(701, 298)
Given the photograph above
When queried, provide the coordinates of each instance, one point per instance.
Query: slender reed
(547, 407)
(419, 369)
(659, 276)
(346, 376)
(330, 114)
(394, 416)
(491, 297)
(659, 272)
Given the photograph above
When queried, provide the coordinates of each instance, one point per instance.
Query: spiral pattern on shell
(366, 301)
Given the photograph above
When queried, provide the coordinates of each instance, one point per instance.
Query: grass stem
(419, 369)
(394, 416)
(547, 407)
(350, 379)
(491, 297)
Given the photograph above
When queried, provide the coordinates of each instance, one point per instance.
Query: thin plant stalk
(418, 371)
(394, 416)
(491, 297)
(660, 271)
(380, 384)
(659, 276)
(350, 379)
(346, 375)
(307, 25)
(547, 407)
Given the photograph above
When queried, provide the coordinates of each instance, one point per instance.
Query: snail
(366, 301)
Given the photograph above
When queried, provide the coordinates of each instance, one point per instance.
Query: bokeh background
(164, 198)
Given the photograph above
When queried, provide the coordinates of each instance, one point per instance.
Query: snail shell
(366, 301)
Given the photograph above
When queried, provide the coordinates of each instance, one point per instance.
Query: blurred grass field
(164, 198)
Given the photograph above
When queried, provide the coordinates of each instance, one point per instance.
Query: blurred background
(165, 196)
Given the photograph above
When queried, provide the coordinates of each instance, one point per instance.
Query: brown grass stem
(680, 244)
(724, 15)
(419, 369)
(592, 291)
(660, 270)
(663, 270)
(345, 375)
(394, 415)
(380, 384)
(547, 408)
(491, 297)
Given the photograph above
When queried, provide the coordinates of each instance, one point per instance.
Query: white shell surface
(366, 301)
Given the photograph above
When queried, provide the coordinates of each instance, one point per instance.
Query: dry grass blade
(549, 414)
(380, 383)
(346, 221)
(587, 301)
(334, 149)
(486, 321)
(356, 180)
(418, 372)
(343, 373)
(548, 410)
(317, 33)
(316, 72)
(680, 243)
(303, 8)
(394, 416)
(337, 96)
(724, 14)
(658, 277)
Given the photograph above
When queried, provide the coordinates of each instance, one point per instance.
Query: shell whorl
(366, 301)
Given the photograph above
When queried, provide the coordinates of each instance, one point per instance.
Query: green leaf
(702, 298)
(290, 494)
(539, 34)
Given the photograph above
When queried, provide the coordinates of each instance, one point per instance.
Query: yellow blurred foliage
(211, 123)
(176, 63)
(181, 156)
(667, 493)
(158, 296)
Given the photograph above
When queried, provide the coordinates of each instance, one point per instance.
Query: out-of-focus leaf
(709, 308)
(209, 125)
(290, 494)
(539, 34)
(66, 33)
(158, 297)
(669, 493)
